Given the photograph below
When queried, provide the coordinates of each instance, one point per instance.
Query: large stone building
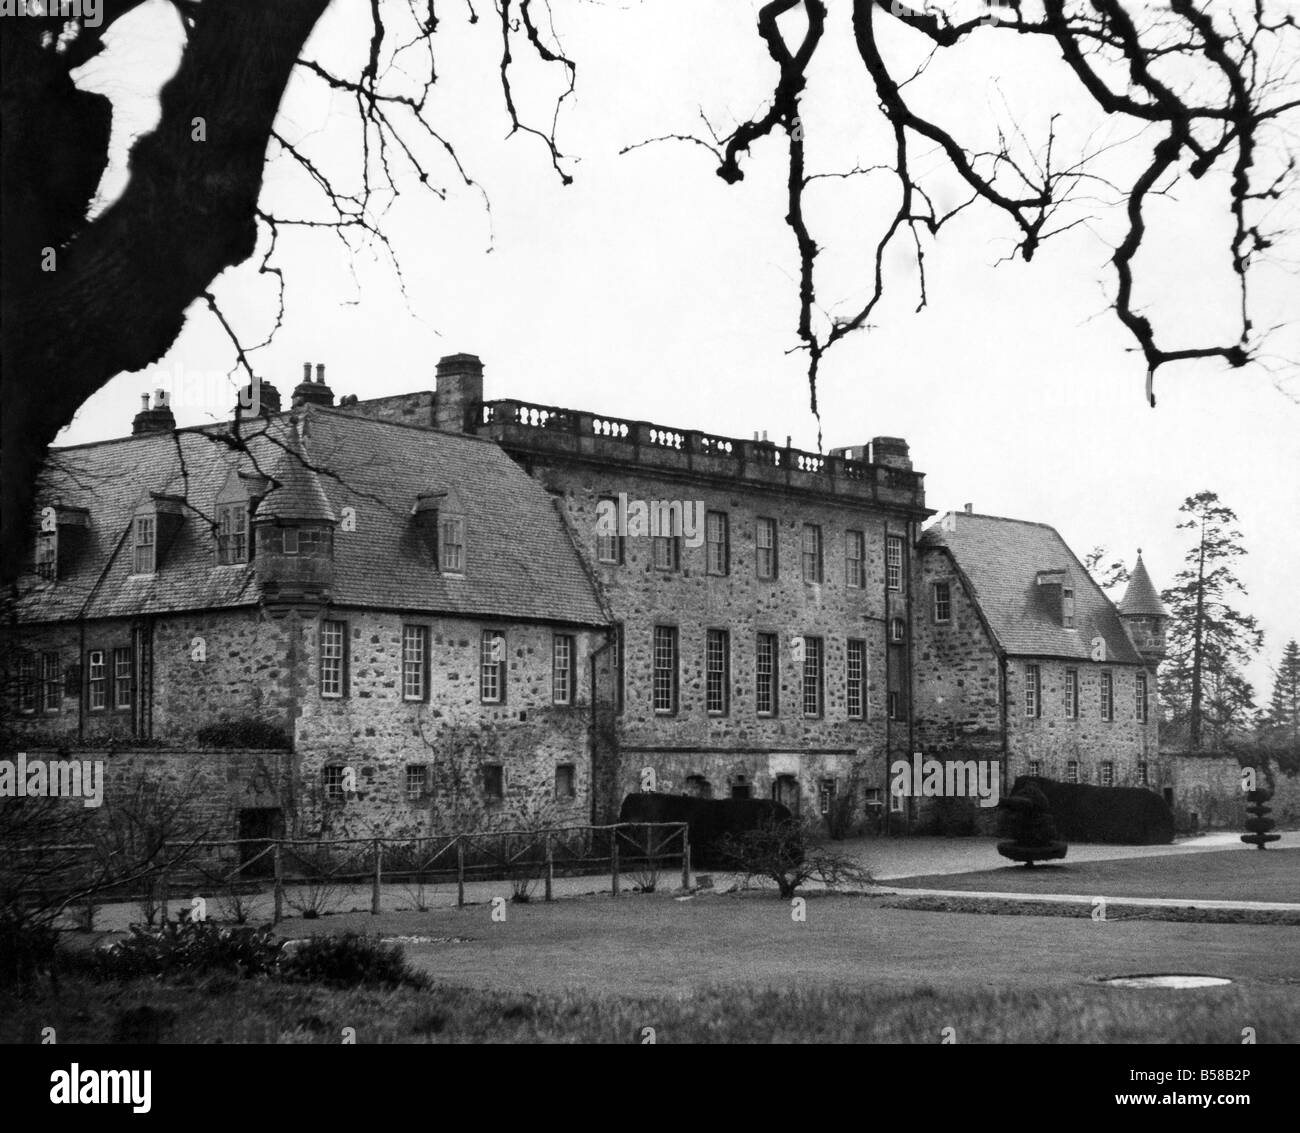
(458, 611)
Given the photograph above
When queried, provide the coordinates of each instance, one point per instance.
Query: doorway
(257, 827)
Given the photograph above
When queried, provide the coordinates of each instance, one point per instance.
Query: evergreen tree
(1209, 638)
(1280, 726)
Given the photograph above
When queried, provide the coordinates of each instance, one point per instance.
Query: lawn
(264, 1012)
(1273, 875)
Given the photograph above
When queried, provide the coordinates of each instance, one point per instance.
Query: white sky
(651, 290)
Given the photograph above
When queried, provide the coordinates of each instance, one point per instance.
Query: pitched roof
(520, 559)
(1001, 560)
(1140, 597)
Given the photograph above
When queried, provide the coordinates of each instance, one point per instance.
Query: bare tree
(1203, 89)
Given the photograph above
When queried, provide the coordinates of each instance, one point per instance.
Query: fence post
(278, 911)
(686, 857)
(613, 861)
(379, 869)
(460, 872)
(550, 866)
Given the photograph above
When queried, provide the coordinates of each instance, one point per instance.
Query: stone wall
(1208, 795)
(721, 748)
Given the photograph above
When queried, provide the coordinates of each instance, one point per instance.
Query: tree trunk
(116, 297)
(1198, 649)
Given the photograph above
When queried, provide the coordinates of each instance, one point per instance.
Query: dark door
(257, 826)
(785, 790)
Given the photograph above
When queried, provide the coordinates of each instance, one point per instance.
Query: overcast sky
(651, 290)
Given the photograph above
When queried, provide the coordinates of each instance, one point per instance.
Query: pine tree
(1280, 726)
(1209, 639)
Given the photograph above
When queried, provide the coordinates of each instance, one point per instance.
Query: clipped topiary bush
(1027, 819)
(1124, 816)
(709, 820)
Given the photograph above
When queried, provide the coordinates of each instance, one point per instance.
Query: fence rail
(307, 874)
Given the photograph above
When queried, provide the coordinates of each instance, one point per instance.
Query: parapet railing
(585, 432)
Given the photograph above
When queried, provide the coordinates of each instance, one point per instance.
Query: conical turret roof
(297, 495)
(1140, 598)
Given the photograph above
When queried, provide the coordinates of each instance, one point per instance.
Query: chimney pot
(970, 509)
(306, 371)
(144, 403)
(320, 373)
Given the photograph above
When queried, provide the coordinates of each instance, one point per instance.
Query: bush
(245, 733)
(188, 948)
(27, 948)
(709, 820)
(1125, 816)
(349, 960)
(778, 850)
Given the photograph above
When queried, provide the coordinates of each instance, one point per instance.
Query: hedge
(1125, 816)
(708, 820)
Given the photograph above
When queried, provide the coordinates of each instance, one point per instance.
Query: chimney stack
(308, 392)
(459, 392)
(159, 419)
(970, 509)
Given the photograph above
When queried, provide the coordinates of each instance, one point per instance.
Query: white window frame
(96, 685)
(492, 667)
(333, 659)
(415, 662)
(942, 603)
(765, 570)
(563, 653)
(894, 562)
(717, 671)
(855, 559)
(717, 543)
(766, 652)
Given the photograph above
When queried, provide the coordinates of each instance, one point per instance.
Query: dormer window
(451, 543)
(146, 539)
(47, 556)
(232, 533)
(1067, 607)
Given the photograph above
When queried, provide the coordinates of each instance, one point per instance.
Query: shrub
(778, 850)
(349, 960)
(1027, 818)
(243, 733)
(188, 948)
(1126, 816)
(27, 948)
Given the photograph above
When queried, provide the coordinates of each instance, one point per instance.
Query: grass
(222, 1011)
(1273, 875)
(1187, 915)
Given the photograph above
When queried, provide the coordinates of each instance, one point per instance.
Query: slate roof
(1140, 597)
(1001, 559)
(520, 560)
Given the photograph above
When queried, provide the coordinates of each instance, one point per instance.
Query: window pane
(96, 679)
(492, 663)
(332, 640)
(812, 553)
(122, 678)
(717, 540)
(856, 654)
(1031, 690)
(451, 544)
(715, 666)
(665, 669)
(812, 676)
(942, 602)
(766, 675)
(562, 670)
(1072, 694)
(765, 538)
(894, 562)
(414, 649)
(855, 574)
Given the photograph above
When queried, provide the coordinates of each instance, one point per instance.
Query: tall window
(765, 670)
(146, 534)
(895, 704)
(562, 669)
(1072, 771)
(665, 669)
(812, 676)
(1144, 774)
(717, 657)
(494, 781)
(1107, 695)
(765, 548)
(492, 667)
(566, 785)
(1067, 607)
(96, 680)
(451, 544)
(51, 683)
(1107, 774)
(717, 540)
(619, 682)
(123, 678)
(1140, 697)
(415, 662)
(894, 562)
(609, 547)
(856, 678)
(943, 602)
(666, 552)
(333, 658)
(1033, 690)
(855, 553)
(1071, 694)
(812, 553)
(897, 630)
(232, 533)
(26, 682)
